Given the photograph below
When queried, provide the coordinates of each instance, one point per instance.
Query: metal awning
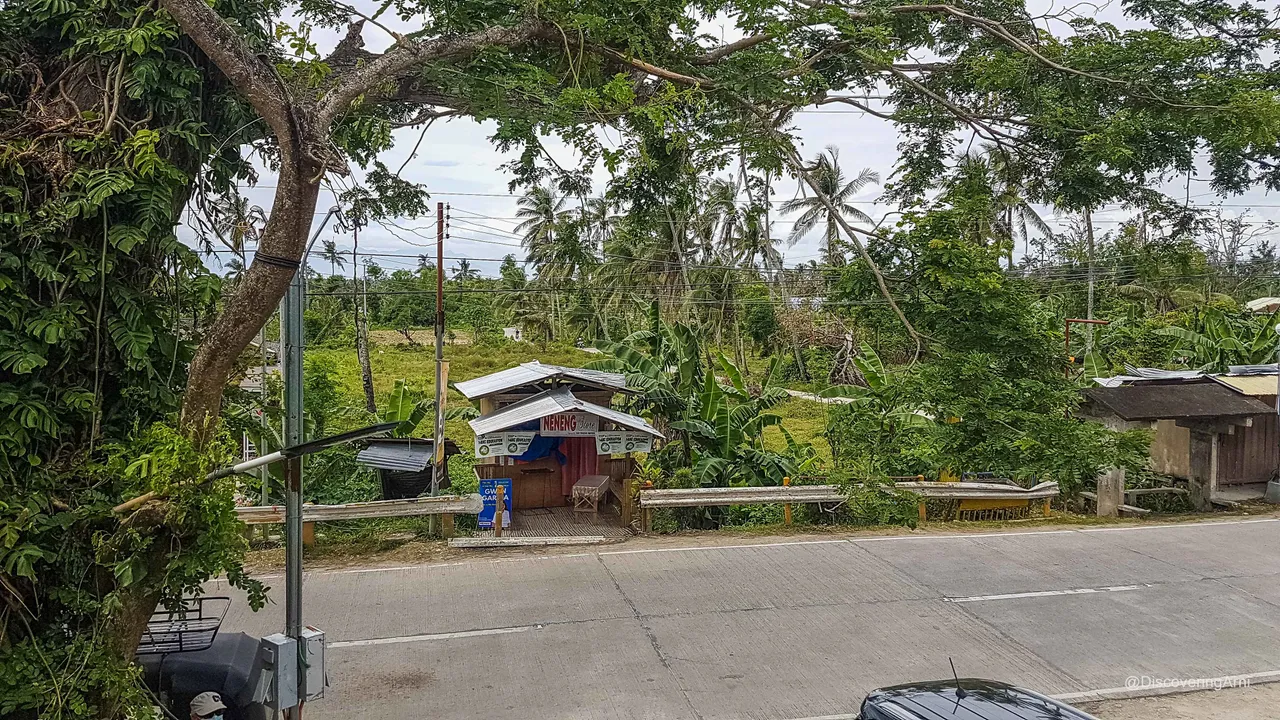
(531, 373)
(550, 402)
(402, 454)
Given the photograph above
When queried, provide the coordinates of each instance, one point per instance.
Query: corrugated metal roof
(531, 373)
(550, 402)
(1265, 369)
(1151, 401)
(409, 458)
(1251, 385)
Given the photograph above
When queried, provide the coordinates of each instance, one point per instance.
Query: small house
(1217, 432)
(553, 433)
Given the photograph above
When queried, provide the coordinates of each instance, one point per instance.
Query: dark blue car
(964, 699)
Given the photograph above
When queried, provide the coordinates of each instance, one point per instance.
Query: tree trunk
(257, 295)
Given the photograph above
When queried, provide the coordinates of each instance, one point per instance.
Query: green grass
(805, 420)
(417, 365)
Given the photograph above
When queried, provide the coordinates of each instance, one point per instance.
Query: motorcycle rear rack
(188, 628)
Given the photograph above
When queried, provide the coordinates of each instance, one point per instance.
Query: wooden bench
(588, 492)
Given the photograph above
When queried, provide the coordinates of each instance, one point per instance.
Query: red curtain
(580, 453)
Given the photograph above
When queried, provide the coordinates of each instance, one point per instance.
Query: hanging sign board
(489, 494)
(502, 443)
(637, 442)
(609, 443)
(571, 424)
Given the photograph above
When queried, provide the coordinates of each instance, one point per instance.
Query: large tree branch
(412, 53)
(250, 75)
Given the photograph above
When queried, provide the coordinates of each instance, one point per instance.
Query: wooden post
(308, 534)
(1046, 507)
(624, 502)
(786, 507)
(446, 526)
(924, 512)
(500, 508)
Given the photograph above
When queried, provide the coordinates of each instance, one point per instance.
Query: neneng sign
(570, 424)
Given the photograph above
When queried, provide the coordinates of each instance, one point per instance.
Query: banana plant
(1220, 341)
(410, 410)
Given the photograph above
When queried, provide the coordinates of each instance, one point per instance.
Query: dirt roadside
(411, 551)
(1256, 702)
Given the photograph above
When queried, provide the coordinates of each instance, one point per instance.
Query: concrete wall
(1171, 450)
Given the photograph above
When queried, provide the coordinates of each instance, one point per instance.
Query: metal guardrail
(440, 505)
(698, 497)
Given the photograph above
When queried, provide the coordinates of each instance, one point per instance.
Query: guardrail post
(786, 508)
(646, 514)
(446, 526)
(500, 509)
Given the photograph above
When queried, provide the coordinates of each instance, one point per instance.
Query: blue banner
(489, 493)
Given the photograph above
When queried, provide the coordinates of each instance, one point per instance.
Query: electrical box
(314, 676)
(276, 683)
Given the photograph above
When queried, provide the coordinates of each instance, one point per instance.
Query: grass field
(416, 363)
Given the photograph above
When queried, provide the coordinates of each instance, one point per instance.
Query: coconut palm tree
(236, 222)
(542, 215)
(464, 271)
(334, 256)
(831, 179)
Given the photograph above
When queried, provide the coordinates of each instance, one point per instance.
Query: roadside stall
(550, 433)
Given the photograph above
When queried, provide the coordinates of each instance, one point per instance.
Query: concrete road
(787, 630)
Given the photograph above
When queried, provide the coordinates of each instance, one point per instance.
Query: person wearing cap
(207, 706)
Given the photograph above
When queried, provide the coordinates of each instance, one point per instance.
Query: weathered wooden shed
(1207, 431)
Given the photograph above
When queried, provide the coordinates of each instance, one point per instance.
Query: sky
(458, 165)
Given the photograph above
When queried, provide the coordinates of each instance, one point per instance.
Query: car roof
(983, 700)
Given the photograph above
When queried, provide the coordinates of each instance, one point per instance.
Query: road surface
(792, 629)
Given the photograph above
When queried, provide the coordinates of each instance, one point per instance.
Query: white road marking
(1171, 687)
(1044, 593)
(642, 551)
(434, 636)
(1170, 526)
(958, 536)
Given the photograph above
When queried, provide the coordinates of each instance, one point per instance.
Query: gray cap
(207, 704)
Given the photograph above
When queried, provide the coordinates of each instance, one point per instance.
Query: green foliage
(1216, 340)
(67, 562)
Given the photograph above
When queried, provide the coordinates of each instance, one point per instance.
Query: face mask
(218, 716)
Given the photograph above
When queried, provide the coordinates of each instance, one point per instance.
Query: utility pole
(438, 469)
(1088, 234)
(362, 325)
(291, 346)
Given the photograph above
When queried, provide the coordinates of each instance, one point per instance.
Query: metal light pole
(291, 346)
(439, 431)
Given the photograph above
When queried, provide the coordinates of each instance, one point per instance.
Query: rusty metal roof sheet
(550, 402)
(531, 373)
(1251, 385)
(1149, 401)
